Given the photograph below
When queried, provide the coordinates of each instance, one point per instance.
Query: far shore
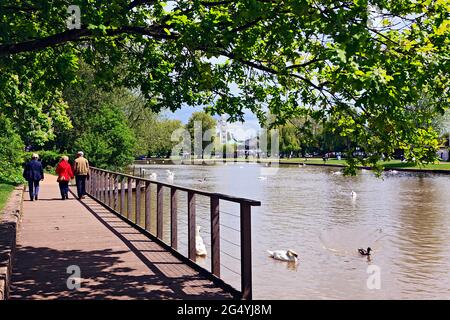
(438, 167)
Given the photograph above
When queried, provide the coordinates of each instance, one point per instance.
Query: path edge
(9, 226)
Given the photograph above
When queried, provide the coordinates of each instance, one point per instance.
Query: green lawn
(5, 190)
(393, 164)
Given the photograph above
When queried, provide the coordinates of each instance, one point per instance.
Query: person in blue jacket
(33, 173)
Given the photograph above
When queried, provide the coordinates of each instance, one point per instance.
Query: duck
(153, 176)
(284, 255)
(200, 248)
(262, 178)
(202, 179)
(364, 252)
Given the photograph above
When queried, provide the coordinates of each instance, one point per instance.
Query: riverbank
(440, 167)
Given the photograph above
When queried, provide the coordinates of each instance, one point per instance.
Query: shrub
(11, 152)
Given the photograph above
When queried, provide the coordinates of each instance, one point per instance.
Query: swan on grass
(284, 255)
(200, 248)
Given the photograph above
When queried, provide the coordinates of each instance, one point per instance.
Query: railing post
(122, 196)
(173, 219)
(88, 185)
(94, 188)
(191, 226)
(105, 187)
(148, 207)
(129, 197)
(110, 190)
(215, 236)
(159, 211)
(138, 202)
(246, 252)
(116, 192)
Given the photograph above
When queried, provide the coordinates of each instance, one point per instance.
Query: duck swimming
(284, 255)
(364, 252)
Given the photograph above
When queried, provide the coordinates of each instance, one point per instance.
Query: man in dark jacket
(33, 173)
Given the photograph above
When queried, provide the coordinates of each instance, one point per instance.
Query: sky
(241, 131)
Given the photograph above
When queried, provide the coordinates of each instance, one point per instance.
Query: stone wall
(9, 224)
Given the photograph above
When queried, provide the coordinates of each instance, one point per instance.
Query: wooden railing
(107, 186)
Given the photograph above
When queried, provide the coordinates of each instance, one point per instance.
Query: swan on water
(284, 255)
(337, 172)
(153, 176)
(200, 248)
(354, 194)
(262, 178)
(170, 174)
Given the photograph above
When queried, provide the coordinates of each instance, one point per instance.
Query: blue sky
(240, 130)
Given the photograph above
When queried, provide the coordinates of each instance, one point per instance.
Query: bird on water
(364, 252)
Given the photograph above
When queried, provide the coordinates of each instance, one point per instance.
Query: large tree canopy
(368, 63)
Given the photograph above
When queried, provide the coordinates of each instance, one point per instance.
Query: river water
(403, 217)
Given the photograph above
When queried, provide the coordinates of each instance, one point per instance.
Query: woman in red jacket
(65, 173)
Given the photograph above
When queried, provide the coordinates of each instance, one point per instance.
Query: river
(403, 217)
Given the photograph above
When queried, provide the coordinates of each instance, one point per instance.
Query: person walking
(81, 171)
(33, 173)
(65, 174)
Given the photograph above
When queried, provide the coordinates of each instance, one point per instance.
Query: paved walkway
(116, 260)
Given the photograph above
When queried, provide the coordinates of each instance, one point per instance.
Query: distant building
(443, 152)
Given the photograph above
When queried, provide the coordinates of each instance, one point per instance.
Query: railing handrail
(222, 196)
(104, 187)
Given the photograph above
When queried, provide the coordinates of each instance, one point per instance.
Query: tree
(362, 61)
(100, 127)
(108, 142)
(205, 123)
(153, 131)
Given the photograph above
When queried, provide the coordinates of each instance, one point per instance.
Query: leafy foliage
(364, 62)
(11, 152)
(206, 124)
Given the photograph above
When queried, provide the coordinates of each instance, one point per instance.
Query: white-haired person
(33, 173)
(65, 174)
(81, 171)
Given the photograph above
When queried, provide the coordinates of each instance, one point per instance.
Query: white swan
(393, 171)
(337, 172)
(153, 176)
(284, 255)
(170, 175)
(354, 194)
(200, 248)
(262, 178)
